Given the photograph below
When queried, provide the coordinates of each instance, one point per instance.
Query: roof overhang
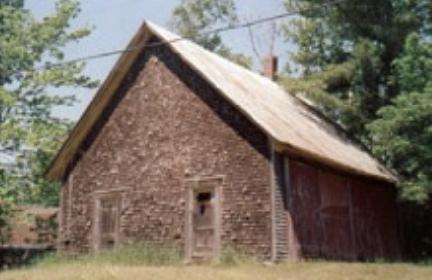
(59, 165)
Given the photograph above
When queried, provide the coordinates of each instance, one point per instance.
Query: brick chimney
(270, 67)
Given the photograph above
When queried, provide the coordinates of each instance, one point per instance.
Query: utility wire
(217, 30)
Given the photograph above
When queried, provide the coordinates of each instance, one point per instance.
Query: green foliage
(316, 88)
(366, 35)
(5, 210)
(127, 255)
(403, 136)
(30, 53)
(414, 68)
(195, 18)
(403, 133)
(47, 136)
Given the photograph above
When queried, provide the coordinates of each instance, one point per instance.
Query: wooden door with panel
(204, 232)
(108, 221)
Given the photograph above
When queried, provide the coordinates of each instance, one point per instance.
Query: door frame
(98, 197)
(213, 184)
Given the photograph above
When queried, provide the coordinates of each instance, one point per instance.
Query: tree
(345, 54)
(195, 18)
(31, 63)
(403, 132)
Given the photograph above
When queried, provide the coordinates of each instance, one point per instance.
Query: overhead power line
(217, 30)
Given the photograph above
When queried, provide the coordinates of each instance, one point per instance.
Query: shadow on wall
(416, 226)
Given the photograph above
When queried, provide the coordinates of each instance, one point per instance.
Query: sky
(114, 22)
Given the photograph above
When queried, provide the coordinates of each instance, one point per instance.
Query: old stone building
(181, 147)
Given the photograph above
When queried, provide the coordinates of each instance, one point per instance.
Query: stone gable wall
(165, 126)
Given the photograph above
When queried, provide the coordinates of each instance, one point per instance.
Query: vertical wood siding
(341, 217)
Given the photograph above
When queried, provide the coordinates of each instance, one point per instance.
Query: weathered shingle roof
(286, 119)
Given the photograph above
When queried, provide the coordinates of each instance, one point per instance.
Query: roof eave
(389, 177)
(58, 166)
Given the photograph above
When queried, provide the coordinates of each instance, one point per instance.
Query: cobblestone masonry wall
(166, 125)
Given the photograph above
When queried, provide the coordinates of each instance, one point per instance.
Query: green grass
(128, 255)
(145, 262)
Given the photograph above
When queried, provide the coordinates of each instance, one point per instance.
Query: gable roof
(287, 120)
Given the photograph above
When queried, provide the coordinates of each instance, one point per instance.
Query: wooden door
(109, 217)
(203, 238)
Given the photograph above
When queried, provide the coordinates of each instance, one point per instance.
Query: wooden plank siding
(321, 213)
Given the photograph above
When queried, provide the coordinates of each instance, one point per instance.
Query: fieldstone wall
(165, 126)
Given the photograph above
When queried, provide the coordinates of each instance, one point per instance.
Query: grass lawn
(300, 271)
(143, 262)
